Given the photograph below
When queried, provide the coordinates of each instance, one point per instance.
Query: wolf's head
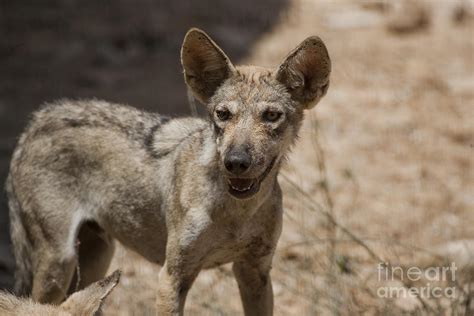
(256, 112)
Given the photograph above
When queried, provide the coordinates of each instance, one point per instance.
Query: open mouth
(243, 188)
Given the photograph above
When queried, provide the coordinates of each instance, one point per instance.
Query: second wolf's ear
(89, 300)
(205, 65)
(305, 72)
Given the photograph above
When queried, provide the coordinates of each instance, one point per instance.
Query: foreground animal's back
(73, 138)
(11, 305)
(67, 114)
(65, 128)
(85, 302)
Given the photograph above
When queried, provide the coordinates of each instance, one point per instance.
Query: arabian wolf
(185, 193)
(83, 303)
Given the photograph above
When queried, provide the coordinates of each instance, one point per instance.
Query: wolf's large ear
(205, 64)
(89, 300)
(305, 72)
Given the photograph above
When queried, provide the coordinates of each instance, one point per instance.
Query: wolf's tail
(21, 244)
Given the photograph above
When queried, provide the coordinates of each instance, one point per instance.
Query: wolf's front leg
(173, 286)
(255, 285)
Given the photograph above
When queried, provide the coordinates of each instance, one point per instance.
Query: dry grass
(387, 156)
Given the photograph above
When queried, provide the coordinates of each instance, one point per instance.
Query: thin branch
(331, 218)
(311, 204)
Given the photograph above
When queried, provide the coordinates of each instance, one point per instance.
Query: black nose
(237, 161)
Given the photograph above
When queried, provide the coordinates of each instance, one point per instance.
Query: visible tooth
(240, 190)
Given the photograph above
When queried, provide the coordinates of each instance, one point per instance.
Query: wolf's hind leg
(54, 257)
(52, 275)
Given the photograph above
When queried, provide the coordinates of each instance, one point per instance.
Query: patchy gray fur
(98, 172)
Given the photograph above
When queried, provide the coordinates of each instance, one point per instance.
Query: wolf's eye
(223, 115)
(271, 116)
